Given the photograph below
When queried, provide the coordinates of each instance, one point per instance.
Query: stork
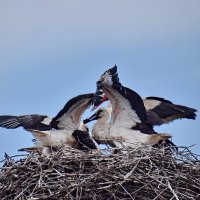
(58, 131)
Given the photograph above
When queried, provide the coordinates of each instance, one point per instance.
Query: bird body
(123, 136)
(128, 126)
(100, 130)
(54, 132)
(101, 127)
(54, 138)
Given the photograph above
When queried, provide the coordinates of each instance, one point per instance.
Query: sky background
(51, 51)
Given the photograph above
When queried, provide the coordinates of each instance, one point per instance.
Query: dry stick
(170, 187)
(22, 192)
(160, 194)
(127, 191)
(130, 173)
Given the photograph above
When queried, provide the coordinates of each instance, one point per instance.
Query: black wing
(26, 121)
(84, 140)
(135, 100)
(166, 112)
(144, 128)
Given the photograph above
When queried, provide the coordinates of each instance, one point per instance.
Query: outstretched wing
(26, 121)
(160, 111)
(127, 105)
(69, 116)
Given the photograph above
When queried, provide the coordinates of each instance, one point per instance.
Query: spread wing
(69, 116)
(160, 111)
(38, 122)
(127, 106)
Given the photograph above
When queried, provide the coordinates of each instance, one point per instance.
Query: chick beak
(93, 117)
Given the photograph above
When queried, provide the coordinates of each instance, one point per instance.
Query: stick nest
(141, 173)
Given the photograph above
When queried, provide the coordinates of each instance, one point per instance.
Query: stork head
(101, 113)
(98, 99)
(107, 79)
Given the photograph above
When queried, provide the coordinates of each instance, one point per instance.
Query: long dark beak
(93, 117)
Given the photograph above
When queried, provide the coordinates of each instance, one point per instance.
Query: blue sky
(51, 51)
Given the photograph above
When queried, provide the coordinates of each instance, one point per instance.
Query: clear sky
(51, 51)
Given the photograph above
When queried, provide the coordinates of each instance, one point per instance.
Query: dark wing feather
(166, 112)
(7, 121)
(84, 140)
(25, 121)
(135, 100)
(137, 104)
(144, 128)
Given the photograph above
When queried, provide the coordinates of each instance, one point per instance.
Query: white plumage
(128, 118)
(54, 132)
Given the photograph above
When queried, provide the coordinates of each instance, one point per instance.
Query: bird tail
(155, 138)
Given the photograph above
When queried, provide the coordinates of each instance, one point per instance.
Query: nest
(141, 173)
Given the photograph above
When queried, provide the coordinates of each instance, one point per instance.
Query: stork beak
(98, 100)
(93, 117)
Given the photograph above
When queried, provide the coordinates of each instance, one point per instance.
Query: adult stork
(55, 132)
(128, 126)
(159, 111)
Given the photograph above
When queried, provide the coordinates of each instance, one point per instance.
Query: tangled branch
(141, 173)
